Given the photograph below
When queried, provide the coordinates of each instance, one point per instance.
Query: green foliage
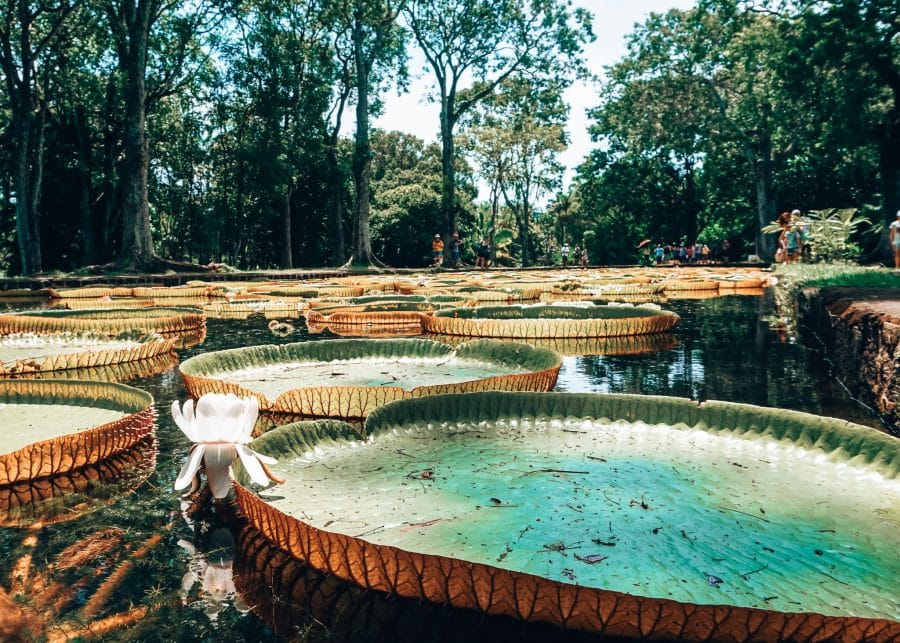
(794, 277)
(716, 118)
(829, 232)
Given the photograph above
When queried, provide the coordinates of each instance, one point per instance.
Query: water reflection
(209, 582)
(723, 350)
(71, 495)
(727, 352)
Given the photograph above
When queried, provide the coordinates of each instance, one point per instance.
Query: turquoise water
(725, 351)
(685, 515)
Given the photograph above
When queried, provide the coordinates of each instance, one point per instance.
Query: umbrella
(643, 243)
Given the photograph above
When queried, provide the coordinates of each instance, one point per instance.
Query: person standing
(437, 250)
(564, 251)
(482, 253)
(803, 228)
(894, 235)
(455, 245)
(584, 257)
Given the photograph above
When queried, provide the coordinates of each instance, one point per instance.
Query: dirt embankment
(861, 332)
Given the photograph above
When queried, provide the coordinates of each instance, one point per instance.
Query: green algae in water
(647, 510)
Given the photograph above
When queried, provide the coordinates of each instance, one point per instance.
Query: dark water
(725, 351)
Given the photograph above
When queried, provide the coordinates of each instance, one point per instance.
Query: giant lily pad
(70, 495)
(392, 315)
(91, 292)
(51, 427)
(121, 372)
(26, 353)
(349, 378)
(165, 321)
(630, 516)
(527, 322)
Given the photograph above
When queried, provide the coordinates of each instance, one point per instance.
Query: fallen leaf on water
(590, 559)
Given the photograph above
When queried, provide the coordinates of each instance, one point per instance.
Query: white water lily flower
(220, 426)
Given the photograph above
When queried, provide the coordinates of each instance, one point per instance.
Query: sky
(613, 21)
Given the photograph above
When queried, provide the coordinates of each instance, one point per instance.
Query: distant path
(300, 274)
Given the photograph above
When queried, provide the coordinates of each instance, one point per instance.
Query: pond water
(178, 569)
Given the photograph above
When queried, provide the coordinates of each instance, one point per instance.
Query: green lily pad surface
(26, 423)
(406, 373)
(723, 504)
(28, 346)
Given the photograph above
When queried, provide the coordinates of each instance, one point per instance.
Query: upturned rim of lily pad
(550, 321)
(70, 451)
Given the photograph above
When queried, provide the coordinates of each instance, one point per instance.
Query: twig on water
(738, 511)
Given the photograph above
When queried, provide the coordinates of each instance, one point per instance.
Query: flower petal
(190, 468)
(218, 468)
(252, 465)
(248, 420)
(183, 422)
(264, 458)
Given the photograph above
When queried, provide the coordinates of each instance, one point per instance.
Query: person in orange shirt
(437, 250)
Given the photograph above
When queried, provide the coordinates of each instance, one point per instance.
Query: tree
(282, 69)
(132, 24)
(712, 72)
(406, 197)
(27, 33)
(378, 45)
(518, 135)
(489, 41)
(845, 65)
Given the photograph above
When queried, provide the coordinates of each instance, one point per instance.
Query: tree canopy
(145, 135)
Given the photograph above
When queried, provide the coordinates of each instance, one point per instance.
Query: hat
(898, 213)
(795, 213)
(455, 234)
(437, 236)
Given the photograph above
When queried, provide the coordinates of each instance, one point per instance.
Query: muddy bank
(860, 329)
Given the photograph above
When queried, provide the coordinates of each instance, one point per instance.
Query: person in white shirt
(894, 235)
(564, 251)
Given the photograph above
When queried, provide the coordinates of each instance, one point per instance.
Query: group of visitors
(482, 251)
(437, 250)
(894, 234)
(579, 255)
(680, 253)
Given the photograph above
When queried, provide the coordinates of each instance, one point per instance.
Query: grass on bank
(835, 275)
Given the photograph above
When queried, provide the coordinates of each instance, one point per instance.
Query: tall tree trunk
(136, 251)
(110, 215)
(523, 233)
(448, 173)
(83, 151)
(362, 152)
(27, 228)
(690, 204)
(336, 206)
(287, 255)
(765, 204)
